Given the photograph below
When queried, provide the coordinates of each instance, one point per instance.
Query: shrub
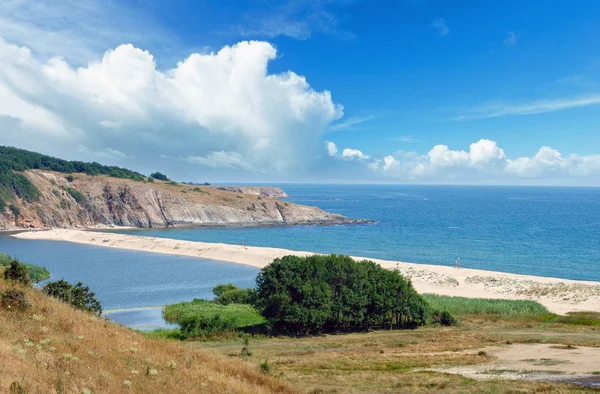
(150, 179)
(36, 273)
(79, 296)
(17, 272)
(237, 296)
(15, 210)
(265, 367)
(17, 388)
(159, 176)
(14, 300)
(231, 294)
(76, 194)
(300, 295)
(69, 178)
(443, 318)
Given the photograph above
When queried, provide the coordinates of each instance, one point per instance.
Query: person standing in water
(458, 263)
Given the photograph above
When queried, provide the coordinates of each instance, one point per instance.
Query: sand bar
(558, 295)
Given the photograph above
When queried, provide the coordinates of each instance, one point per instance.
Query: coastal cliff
(80, 200)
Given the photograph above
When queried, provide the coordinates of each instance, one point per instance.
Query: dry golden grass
(53, 348)
(395, 361)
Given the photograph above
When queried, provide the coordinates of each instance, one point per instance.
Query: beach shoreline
(558, 295)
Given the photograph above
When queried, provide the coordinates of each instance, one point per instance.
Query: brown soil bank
(53, 348)
(99, 200)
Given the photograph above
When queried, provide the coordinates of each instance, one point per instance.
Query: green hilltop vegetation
(14, 161)
(36, 274)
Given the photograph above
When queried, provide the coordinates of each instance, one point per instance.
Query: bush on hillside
(76, 194)
(36, 273)
(79, 296)
(159, 176)
(14, 300)
(15, 184)
(304, 295)
(17, 272)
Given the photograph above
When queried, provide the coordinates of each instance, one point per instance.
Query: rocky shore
(83, 201)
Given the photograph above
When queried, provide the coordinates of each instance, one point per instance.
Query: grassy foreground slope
(53, 348)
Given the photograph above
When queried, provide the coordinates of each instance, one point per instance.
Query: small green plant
(246, 352)
(17, 388)
(14, 300)
(481, 353)
(265, 367)
(69, 178)
(150, 179)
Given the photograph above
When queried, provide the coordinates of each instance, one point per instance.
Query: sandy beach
(558, 295)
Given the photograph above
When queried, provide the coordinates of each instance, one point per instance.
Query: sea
(544, 231)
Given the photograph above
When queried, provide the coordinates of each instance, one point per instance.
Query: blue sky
(421, 91)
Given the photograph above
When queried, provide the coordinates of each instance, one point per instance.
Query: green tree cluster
(79, 296)
(13, 183)
(304, 295)
(20, 160)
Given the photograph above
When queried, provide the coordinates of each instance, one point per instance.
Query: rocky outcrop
(265, 191)
(92, 201)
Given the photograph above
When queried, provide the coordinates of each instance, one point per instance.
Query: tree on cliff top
(160, 176)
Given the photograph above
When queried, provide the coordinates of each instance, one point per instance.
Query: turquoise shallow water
(529, 230)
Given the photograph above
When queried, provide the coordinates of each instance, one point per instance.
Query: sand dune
(558, 295)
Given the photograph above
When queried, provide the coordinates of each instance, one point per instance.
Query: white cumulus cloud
(221, 109)
(331, 148)
(485, 161)
(351, 154)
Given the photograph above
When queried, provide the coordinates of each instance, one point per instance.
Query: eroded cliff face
(118, 202)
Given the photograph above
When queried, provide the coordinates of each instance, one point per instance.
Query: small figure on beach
(244, 245)
(457, 263)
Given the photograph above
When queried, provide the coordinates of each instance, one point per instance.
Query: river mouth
(143, 319)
